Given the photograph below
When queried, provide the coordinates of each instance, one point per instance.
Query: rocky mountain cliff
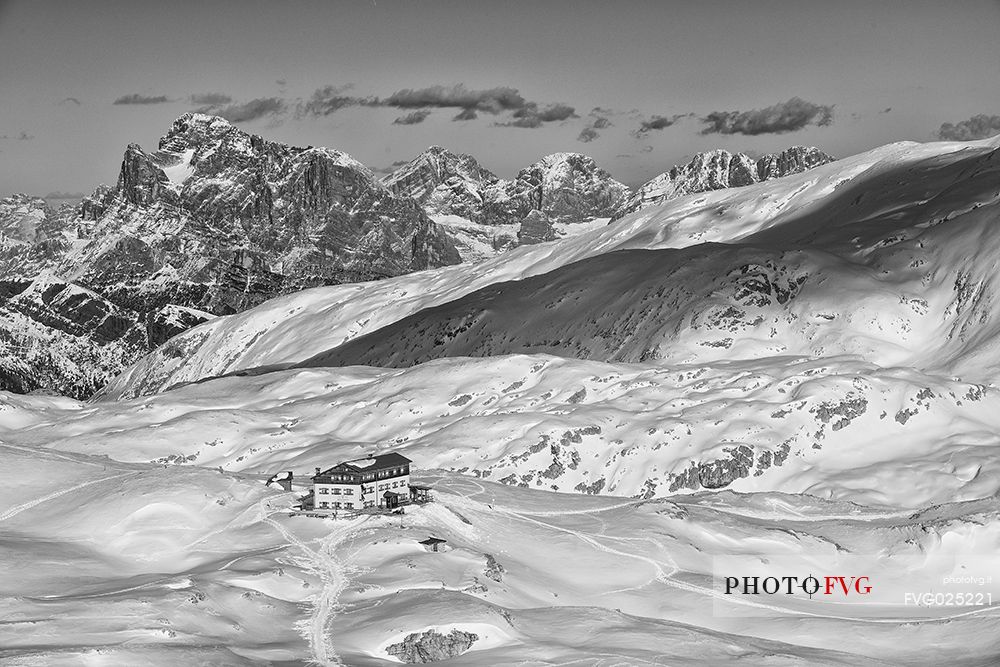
(567, 187)
(222, 220)
(719, 169)
(213, 222)
(444, 183)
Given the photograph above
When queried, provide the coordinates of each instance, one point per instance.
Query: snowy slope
(590, 505)
(835, 427)
(131, 563)
(922, 298)
(828, 206)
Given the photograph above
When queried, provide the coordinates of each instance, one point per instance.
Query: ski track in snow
(331, 572)
(667, 578)
(14, 511)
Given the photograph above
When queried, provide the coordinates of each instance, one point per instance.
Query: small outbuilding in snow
(434, 544)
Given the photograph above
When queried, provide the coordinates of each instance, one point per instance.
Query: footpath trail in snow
(332, 573)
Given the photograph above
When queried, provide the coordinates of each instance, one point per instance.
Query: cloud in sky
(21, 136)
(328, 99)
(252, 110)
(980, 126)
(778, 118)
(598, 121)
(412, 118)
(491, 100)
(530, 116)
(70, 100)
(655, 123)
(469, 102)
(136, 98)
(211, 99)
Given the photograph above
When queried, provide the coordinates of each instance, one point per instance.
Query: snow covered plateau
(799, 370)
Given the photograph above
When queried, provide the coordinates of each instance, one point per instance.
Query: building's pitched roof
(369, 464)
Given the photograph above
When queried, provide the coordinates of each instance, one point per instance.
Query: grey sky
(931, 62)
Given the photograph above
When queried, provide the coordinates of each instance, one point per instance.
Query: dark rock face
(719, 169)
(431, 646)
(535, 228)
(791, 161)
(213, 222)
(59, 336)
(171, 320)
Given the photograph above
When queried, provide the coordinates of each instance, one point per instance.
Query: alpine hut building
(381, 481)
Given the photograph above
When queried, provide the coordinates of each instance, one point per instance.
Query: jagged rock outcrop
(33, 235)
(535, 228)
(790, 161)
(444, 183)
(570, 187)
(567, 187)
(59, 336)
(719, 169)
(167, 322)
(432, 646)
(220, 220)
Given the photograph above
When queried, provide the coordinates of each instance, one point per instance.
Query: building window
(336, 491)
(324, 504)
(348, 492)
(349, 506)
(323, 489)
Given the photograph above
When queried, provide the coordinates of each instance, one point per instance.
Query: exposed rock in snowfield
(535, 228)
(432, 646)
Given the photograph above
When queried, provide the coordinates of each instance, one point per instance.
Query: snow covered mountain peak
(214, 221)
(717, 169)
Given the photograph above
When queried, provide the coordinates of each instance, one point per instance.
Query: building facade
(377, 481)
